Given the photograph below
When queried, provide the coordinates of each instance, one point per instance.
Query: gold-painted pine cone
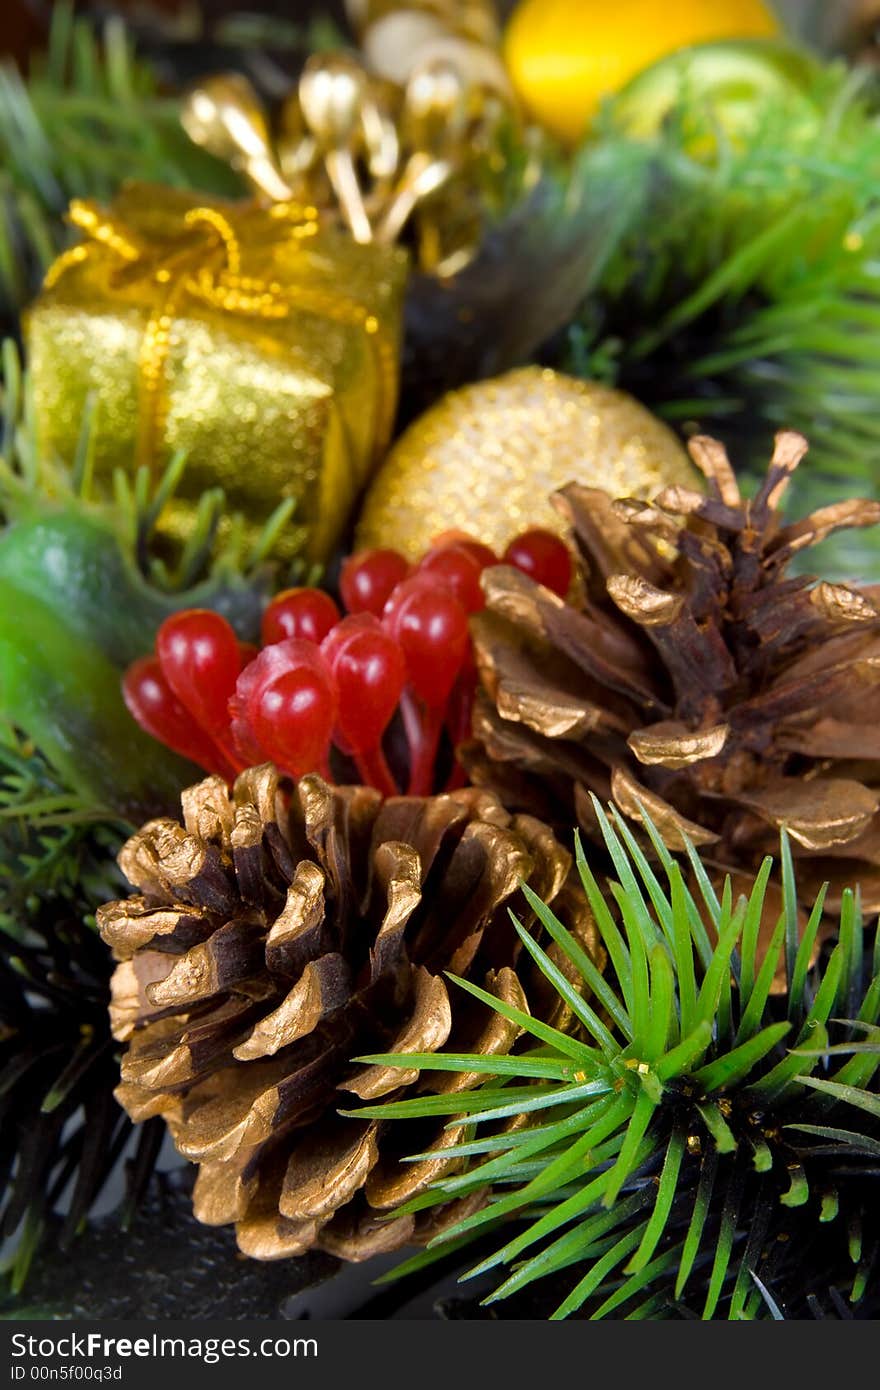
(693, 677)
(487, 458)
(282, 931)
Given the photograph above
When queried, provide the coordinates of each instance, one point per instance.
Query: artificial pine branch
(63, 1135)
(696, 1145)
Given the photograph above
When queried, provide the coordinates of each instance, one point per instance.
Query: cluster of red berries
(323, 681)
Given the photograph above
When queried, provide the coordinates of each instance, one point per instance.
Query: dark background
(23, 23)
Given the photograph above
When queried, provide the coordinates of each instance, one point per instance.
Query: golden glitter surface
(263, 346)
(487, 458)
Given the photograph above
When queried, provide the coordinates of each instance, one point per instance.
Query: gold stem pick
(225, 116)
(332, 91)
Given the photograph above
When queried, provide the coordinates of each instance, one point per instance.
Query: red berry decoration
(483, 554)
(432, 629)
(284, 706)
(370, 673)
(305, 613)
(155, 707)
(367, 580)
(544, 558)
(458, 570)
(200, 659)
(404, 647)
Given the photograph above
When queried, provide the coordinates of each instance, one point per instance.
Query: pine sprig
(62, 1135)
(699, 1144)
(51, 842)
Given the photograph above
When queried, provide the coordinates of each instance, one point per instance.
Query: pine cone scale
(178, 1054)
(230, 956)
(698, 663)
(671, 744)
(426, 1031)
(219, 1197)
(493, 1034)
(323, 987)
(592, 646)
(328, 1169)
(299, 934)
(633, 799)
(389, 1186)
(846, 743)
(819, 814)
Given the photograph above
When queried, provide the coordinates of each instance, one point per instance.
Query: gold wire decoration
(396, 135)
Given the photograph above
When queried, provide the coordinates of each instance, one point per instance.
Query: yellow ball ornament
(487, 458)
(564, 56)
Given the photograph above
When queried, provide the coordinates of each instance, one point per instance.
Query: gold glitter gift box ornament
(258, 342)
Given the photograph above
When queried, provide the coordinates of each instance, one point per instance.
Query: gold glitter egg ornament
(486, 460)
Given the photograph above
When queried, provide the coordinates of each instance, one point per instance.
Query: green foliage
(51, 844)
(62, 1135)
(697, 1144)
(744, 295)
(317, 33)
(89, 116)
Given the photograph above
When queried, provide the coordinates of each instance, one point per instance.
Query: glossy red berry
(543, 557)
(367, 580)
(401, 593)
(284, 706)
(483, 554)
(200, 659)
(293, 719)
(370, 672)
(432, 629)
(305, 613)
(457, 570)
(245, 742)
(155, 707)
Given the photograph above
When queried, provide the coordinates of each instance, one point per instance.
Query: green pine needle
(695, 1129)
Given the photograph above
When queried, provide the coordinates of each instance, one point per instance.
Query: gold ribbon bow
(204, 263)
